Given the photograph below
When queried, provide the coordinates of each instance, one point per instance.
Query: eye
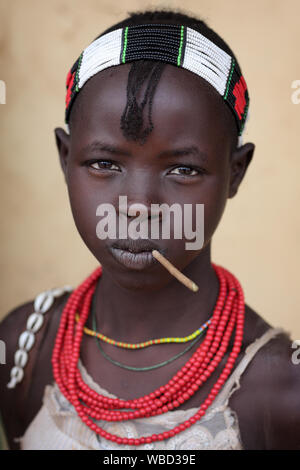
(103, 165)
(186, 171)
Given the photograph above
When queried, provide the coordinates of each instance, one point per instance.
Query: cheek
(214, 204)
(212, 193)
(84, 199)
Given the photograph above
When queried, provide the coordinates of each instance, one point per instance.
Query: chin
(136, 280)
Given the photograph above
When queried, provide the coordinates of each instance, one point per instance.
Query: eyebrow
(98, 145)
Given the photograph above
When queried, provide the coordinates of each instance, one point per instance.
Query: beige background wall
(258, 238)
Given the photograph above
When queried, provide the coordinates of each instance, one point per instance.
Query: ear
(63, 146)
(240, 160)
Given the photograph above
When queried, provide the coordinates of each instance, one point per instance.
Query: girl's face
(186, 159)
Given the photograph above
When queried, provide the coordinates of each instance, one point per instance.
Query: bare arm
(11, 399)
(282, 405)
(19, 405)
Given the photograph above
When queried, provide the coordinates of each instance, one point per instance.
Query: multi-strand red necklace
(228, 315)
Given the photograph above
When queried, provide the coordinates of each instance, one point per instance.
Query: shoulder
(268, 400)
(282, 400)
(28, 333)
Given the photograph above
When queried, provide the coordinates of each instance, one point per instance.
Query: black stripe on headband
(142, 42)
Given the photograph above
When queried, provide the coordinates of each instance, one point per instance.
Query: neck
(173, 310)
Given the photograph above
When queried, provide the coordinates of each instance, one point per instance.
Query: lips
(135, 246)
(134, 254)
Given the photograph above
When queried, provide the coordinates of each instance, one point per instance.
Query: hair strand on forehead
(132, 117)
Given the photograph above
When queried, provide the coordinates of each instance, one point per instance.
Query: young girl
(133, 358)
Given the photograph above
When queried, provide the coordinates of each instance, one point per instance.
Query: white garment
(57, 426)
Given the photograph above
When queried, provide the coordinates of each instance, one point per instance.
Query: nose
(137, 208)
(141, 191)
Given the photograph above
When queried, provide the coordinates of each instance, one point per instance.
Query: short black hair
(151, 70)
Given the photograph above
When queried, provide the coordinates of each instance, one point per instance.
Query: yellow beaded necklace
(145, 344)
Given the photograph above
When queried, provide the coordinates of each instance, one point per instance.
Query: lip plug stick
(174, 271)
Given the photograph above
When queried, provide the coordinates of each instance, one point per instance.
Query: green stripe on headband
(180, 47)
(125, 44)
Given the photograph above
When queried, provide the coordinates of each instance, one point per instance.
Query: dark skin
(133, 305)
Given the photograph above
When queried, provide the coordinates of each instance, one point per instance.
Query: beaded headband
(174, 44)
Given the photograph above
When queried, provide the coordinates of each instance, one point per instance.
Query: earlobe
(240, 160)
(63, 145)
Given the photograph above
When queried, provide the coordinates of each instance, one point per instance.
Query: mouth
(134, 254)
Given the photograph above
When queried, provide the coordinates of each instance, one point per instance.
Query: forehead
(184, 106)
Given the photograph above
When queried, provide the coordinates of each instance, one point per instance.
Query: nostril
(138, 209)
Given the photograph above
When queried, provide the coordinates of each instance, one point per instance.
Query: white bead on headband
(174, 44)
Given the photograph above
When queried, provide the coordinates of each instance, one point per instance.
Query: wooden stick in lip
(175, 272)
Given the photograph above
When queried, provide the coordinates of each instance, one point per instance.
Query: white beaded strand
(104, 52)
(207, 60)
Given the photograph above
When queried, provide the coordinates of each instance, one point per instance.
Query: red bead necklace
(228, 314)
